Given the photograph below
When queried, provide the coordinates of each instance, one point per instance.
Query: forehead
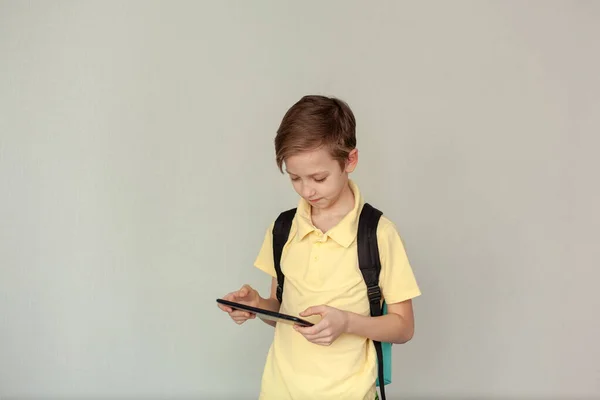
(310, 162)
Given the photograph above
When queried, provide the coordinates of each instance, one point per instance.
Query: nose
(307, 191)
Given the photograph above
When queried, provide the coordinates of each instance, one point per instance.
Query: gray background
(136, 161)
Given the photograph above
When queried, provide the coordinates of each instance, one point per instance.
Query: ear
(352, 160)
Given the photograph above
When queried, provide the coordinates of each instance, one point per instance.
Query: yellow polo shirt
(322, 268)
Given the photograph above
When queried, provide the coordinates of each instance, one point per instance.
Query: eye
(295, 178)
(320, 180)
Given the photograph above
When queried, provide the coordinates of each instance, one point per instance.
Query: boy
(335, 358)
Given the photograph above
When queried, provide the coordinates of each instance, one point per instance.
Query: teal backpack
(369, 264)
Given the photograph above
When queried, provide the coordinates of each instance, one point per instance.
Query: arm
(396, 327)
(398, 286)
(397, 282)
(271, 303)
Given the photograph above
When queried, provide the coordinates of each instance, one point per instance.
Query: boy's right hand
(246, 295)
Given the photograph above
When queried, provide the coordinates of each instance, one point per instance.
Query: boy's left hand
(334, 322)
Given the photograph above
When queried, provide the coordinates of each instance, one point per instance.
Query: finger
(241, 319)
(311, 330)
(324, 334)
(239, 297)
(315, 310)
(229, 297)
(240, 314)
(225, 308)
(320, 339)
(244, 291)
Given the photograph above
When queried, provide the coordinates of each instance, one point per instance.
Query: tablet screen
(266, 314)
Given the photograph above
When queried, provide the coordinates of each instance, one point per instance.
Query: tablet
(266, 314)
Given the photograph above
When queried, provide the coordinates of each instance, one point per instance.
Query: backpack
(370, 267)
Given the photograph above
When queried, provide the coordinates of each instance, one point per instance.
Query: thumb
(315, 310)
(244, 291)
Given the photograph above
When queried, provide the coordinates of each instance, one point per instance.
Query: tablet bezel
(267, 314)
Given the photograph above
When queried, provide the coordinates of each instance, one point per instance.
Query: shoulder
(389, 240)
(388, 234)
(385, 226)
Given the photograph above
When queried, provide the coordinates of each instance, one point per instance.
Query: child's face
(318, 178)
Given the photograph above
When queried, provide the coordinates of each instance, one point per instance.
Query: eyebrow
(311, 175)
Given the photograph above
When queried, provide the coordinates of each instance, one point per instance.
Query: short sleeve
(397, 279)
(264, 260)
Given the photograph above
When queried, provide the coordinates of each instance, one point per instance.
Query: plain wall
(137, 178)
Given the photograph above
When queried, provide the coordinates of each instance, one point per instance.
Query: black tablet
(266, 314)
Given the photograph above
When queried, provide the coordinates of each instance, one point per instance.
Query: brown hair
(314, 122)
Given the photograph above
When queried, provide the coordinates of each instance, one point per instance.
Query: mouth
(315, 200)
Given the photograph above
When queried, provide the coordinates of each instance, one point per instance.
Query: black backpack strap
(370, 267)
(281, 231)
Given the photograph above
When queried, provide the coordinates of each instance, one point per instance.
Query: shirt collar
(344, 232)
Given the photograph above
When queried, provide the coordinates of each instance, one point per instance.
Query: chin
(321, 205)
